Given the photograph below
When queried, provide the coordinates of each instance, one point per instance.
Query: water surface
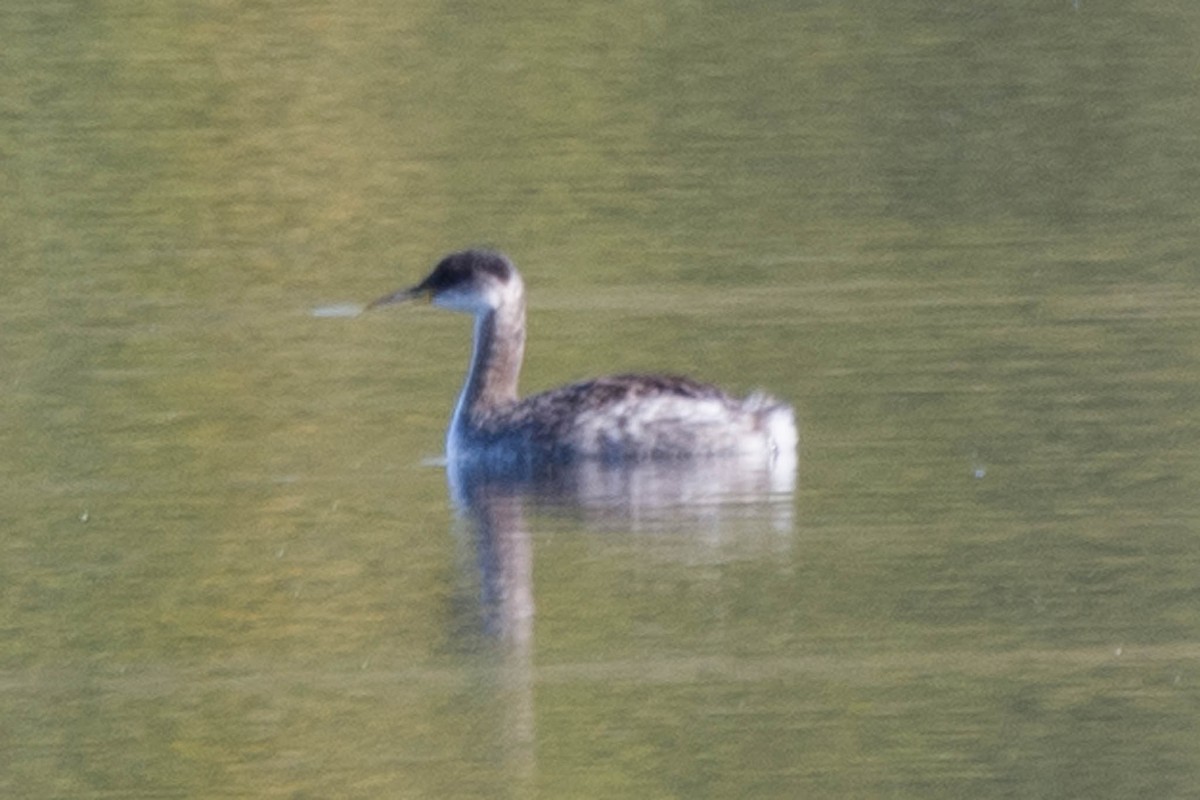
(960, 240)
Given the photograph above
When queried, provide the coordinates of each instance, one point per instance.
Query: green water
(961, 240)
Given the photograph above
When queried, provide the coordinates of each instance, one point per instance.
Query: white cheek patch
(477, 299)
(467, 300)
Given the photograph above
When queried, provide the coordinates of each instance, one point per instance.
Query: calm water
(962, 242)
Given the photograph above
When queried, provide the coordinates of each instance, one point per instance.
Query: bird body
(615, 418)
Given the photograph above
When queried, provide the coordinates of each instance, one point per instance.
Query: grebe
(616, 418)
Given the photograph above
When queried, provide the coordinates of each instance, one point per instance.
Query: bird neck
(499, 346)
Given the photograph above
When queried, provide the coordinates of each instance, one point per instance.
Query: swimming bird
(616, 418)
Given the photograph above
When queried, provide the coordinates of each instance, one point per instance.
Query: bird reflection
(706, 495)
(709, 495)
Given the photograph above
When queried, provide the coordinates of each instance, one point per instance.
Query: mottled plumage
(620, 417)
